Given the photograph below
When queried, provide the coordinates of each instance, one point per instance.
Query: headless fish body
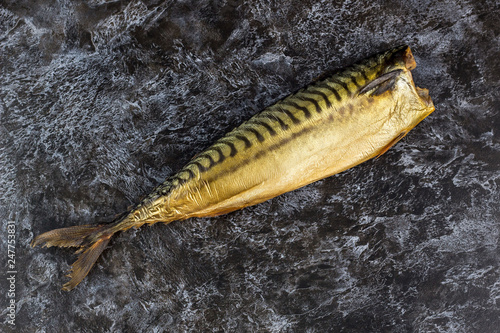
(323, 129)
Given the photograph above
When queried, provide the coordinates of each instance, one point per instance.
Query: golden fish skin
(323, 129)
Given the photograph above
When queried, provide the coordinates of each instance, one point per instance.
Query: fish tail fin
(90, 240)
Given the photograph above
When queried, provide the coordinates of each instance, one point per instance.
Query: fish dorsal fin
(381, 84)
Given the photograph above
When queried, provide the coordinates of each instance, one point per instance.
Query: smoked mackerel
(324, 128)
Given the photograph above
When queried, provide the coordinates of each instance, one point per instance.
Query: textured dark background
(101, 100)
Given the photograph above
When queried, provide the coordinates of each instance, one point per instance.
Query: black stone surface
(101, 100)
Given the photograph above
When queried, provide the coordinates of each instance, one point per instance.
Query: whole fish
(324, 128)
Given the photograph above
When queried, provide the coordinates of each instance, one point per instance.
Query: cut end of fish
(425, 97)
(408, 59)
(403, 55)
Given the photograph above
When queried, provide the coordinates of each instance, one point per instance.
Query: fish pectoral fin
(381, 84)
(392, 143)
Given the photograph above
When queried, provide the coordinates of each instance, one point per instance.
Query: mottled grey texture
(101, 100)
